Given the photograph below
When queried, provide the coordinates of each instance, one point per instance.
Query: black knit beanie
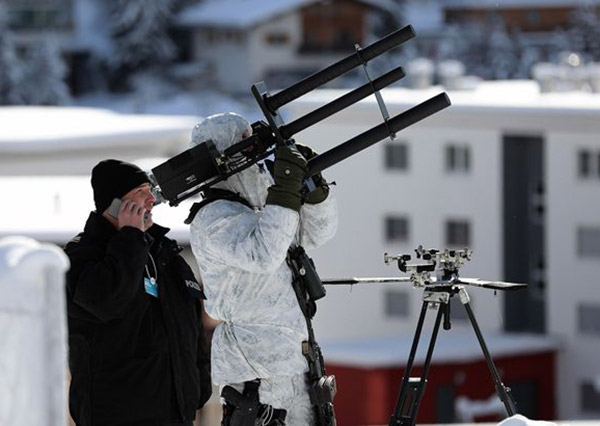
(113, 179)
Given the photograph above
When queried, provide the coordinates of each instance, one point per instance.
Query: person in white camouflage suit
(240, 242)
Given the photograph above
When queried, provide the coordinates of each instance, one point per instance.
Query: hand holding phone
(129, 213)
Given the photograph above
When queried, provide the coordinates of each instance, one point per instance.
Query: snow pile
(467, 410)
(519, 420)
(33, 328)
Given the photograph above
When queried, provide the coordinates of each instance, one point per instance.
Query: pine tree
(140, 35)
(45, 73)
(11, 70)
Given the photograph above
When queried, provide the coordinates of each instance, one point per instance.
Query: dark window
(589, 319)
(458, 158)
(396, 303)
(526, 392)
(588, 164)
(458, 233)
(590, 398)
(396, 156)
(277, 39)
(444, 404)
(584, 163)
(588, 242)
(396, 229)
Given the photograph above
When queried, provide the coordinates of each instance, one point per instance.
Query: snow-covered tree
(45, 75)
(501, 52)
(487, 50)
(584, 34)
(11, 70)
(140, 35)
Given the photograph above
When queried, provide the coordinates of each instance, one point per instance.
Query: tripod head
(437, 269)
(432, 266)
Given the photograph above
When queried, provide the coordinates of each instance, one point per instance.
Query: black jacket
(133, 357)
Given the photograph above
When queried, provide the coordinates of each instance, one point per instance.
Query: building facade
(507, 171)
(276, 41)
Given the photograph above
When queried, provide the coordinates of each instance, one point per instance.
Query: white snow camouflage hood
(225, 130)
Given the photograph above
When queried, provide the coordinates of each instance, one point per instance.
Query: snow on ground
(30, 129)
(201, 103)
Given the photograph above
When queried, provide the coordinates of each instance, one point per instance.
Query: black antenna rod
(288, 130)
(372, 136)
(336, 69)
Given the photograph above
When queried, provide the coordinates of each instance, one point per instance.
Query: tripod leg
(406, 414)
(502, 391)
(416, 402)
(397, 416)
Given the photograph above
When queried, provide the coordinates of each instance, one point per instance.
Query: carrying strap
(214, 194)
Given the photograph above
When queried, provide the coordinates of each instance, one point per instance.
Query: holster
(245, 409)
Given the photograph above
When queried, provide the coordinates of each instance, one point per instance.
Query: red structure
(368, 396)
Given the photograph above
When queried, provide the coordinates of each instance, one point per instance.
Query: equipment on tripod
(198, 168)
(437, 273)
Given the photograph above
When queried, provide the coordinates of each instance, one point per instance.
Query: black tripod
(413, 388)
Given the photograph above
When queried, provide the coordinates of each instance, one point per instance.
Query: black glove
(320, 193)
(289, 171)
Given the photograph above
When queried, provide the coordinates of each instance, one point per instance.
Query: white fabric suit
(241, 254)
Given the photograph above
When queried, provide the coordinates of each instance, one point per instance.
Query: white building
(246, 41)
(509, 172)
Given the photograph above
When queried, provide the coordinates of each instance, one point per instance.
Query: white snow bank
(32, 333)
(26, 129)
(519, 420)
(55, 208)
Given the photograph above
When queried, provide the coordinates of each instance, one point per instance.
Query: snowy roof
(498, 97)
(510, 4)
(55, 208)
(59, 128)
(244, 14)
(453, 347)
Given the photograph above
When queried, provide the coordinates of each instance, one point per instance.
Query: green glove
(320, 193)
(289, 170)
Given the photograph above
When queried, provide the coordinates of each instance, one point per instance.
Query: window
(458, 233)
(590, 397)
(588, 164)
(588, 242)
(396, 229)
(396, 156)
(277, 39)
(396, 303)
(589, 319)
(458, 158)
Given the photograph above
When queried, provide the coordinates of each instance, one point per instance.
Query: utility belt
(309, 288)
(245, 409)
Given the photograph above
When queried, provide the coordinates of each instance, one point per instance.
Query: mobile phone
(114, 207)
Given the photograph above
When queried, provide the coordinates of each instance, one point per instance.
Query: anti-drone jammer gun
(202, 166)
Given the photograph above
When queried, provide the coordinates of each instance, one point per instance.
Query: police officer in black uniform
(137, 351)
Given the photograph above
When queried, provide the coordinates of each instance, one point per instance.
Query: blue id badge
(151, 286)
